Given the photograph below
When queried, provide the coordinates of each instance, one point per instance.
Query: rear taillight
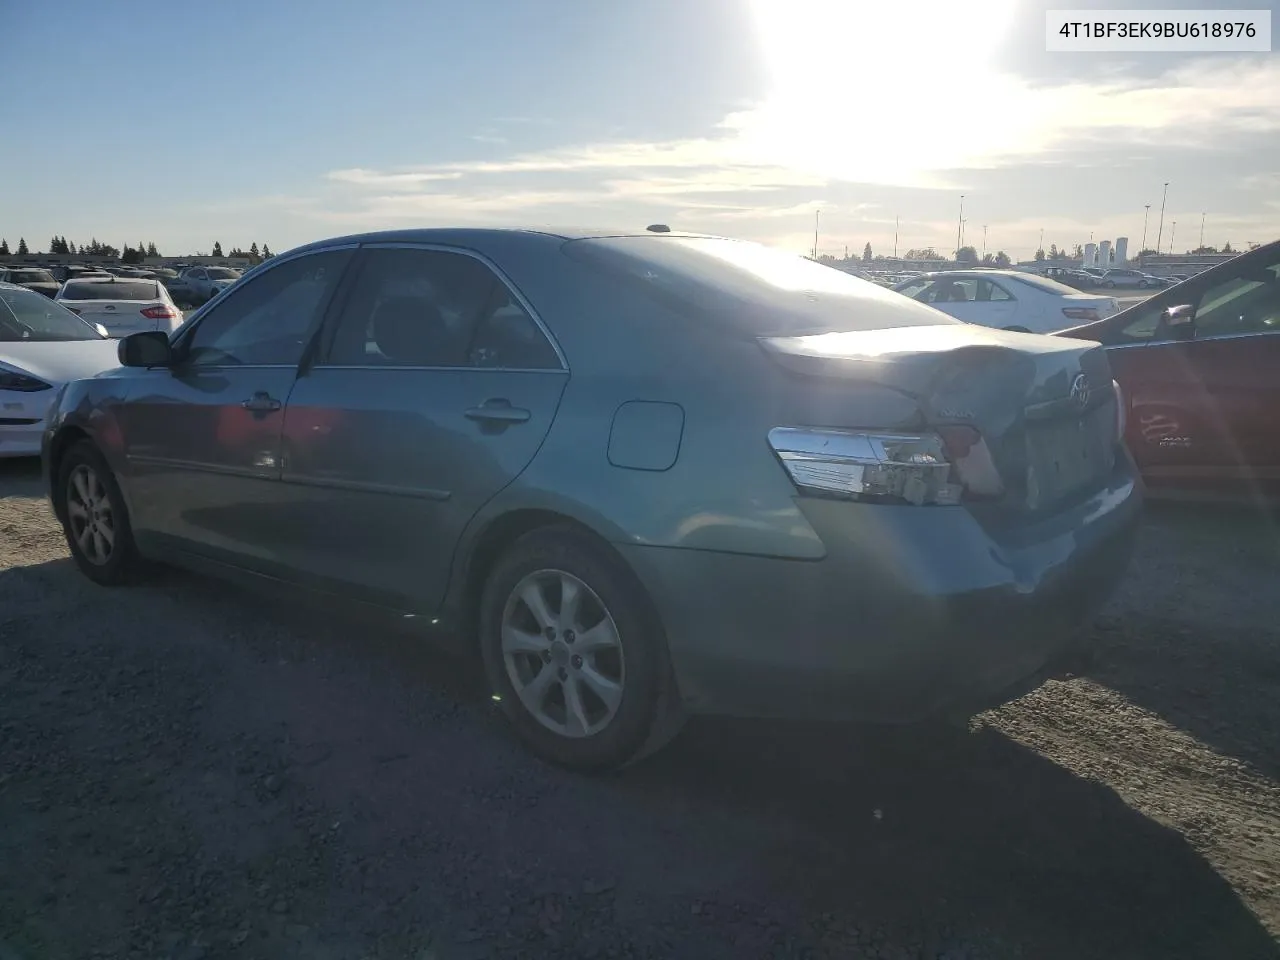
(11, 380)
(161, 313)
(857, 465)
(1080, 313)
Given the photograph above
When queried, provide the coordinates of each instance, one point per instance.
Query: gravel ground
(190, 771)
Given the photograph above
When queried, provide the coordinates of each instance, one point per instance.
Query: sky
(286, 122)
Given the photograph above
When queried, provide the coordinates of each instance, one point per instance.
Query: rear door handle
(498, 411)
(261, 402)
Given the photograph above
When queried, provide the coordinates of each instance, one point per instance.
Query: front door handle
(498, 411)
(261, 402)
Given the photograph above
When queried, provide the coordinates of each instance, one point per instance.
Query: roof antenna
(658, 228)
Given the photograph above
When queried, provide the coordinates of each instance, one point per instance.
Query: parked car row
(187, 285)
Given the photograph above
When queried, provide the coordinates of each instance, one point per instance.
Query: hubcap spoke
(609, 692)
(569, 598)
(108, 534)
(537, 604)
(99, 546)
(76, 510)
(84, 537)
(575, 712)
(603, 636)
(82, 487)
(515, 640)
(534, 693)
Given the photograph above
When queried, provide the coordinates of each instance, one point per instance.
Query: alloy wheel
(562, 653)
(90, 515)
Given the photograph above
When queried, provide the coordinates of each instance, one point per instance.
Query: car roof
(462, 236)
(994, 272)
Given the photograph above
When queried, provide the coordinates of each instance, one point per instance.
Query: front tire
(94, 517)
(574, 654)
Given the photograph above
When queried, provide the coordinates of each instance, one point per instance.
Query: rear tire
(574, 654)
(94, 517)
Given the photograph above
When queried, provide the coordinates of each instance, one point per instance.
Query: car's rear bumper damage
(914, 611)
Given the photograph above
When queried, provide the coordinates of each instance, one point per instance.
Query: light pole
(1160, 232)
(895, 236)
(1173, 230)
(1041, 247)
(1202, 231)
(815, 233)
(984, 242)
(1146, 213)
(959, 226)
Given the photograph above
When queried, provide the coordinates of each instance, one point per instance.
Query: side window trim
(505, 280)
(185, 332)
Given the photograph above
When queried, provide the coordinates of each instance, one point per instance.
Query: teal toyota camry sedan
(641, 474)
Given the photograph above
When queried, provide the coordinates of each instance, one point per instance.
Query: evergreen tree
(217, 249)
(22, 247)
(4, 248)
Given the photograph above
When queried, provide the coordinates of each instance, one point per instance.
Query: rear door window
(435, 308)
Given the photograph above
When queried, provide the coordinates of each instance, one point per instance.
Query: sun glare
(859, 90)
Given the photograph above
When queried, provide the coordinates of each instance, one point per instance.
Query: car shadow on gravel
(967, 829)
(20, 477)
(1195, 634)
(931, 842)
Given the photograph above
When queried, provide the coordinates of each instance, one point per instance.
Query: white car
(205, 283)
(42, 346)
(1008, 300)
(123, 305)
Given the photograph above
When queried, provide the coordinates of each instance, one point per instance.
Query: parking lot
(189, 771)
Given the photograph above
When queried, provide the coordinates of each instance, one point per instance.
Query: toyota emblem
(1080, 391)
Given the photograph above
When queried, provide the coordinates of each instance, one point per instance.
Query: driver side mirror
(1180, 322)
(148, 349)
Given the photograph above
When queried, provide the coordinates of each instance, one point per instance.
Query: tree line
(61, 246)
(963, 255)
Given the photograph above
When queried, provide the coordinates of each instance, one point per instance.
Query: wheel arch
(477, 556)
(62, 441)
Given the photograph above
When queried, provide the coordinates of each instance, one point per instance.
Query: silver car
(205, 283)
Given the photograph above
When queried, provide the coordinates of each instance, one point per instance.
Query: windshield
(110, 290)
(753, 289)
(223, 273)
(25, 315)
(30, 276)
(1045, 284)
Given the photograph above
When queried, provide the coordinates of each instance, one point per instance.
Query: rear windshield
(26, 316)
(30, 276)
(223, 273)
(1047, 285)
(111, 290)
(752, 289)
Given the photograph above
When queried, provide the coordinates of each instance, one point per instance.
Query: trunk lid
(1044, 406)
(120, 317)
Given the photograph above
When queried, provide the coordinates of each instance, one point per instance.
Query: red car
(1199, 367)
